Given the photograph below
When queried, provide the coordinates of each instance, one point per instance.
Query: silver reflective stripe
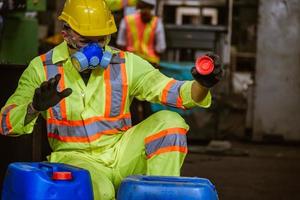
(52, 70)
(116, 89)
(88, 129)
(174, 93)
(116, 59)
(4, 125)
(166, 141)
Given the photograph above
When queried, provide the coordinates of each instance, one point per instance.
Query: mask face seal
(91, 56)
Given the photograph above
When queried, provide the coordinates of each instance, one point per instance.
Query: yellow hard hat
(88, 17)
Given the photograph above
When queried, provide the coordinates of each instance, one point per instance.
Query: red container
(204, 65)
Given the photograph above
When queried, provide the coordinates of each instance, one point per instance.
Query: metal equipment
(19, 32)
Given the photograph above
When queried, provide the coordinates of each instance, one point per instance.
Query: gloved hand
(47, 95)
(214, 77)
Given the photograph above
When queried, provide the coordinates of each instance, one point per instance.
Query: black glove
(214, 77)
(47, 95)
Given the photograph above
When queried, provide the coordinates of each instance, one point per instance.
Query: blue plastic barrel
(46, 181)
(166, 188)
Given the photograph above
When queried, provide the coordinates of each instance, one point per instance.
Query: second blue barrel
(166, 188)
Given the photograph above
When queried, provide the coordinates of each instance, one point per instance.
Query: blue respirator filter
(91, 56)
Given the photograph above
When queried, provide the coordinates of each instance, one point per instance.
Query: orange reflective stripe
(59, 110)
(129, 36)
(5, 124)
(81, 139)
(86, 130)
(62, 103)
(43, 58)
(124, 84)
(108, 91)
(171, 94)
(151, 47)
(166, 90)
(148, 36)
(9, 127)
(85, 139)
(179, 102)
(169, 149)
(115, 78)
(165, 132)
(1, 131)
(152, 33)
(133, 33)
(140, 28)
(86, 121)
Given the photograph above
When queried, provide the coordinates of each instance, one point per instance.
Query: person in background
(142, 33)
(84, 88)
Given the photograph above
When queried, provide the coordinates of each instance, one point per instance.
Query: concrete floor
(267, 172)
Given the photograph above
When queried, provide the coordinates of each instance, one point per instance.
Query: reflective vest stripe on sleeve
(171, 94)
(5, 121)
(59, 110)
(173, 139)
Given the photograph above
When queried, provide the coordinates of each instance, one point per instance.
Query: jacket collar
(60, 53)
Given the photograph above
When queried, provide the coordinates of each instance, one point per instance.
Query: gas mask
(91, 56)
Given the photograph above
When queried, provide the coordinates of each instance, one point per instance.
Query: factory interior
(247, 143)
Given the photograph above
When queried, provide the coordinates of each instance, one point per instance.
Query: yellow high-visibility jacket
(89, 117)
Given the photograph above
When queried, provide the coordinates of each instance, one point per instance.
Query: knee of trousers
(170, 138)
(171, 118)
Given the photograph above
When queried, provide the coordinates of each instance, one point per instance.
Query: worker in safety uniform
(142, 33)
(83, 88)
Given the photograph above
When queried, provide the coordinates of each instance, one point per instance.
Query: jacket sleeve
(14, 112)
(147, 83)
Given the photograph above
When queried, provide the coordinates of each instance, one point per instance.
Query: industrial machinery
(19, 30)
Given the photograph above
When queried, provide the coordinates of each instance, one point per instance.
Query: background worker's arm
(149, 84)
